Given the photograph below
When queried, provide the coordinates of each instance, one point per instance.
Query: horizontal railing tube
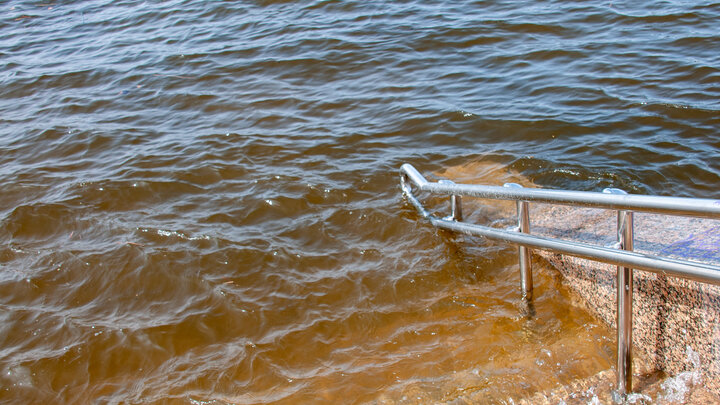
(678, 268)
(696, 207)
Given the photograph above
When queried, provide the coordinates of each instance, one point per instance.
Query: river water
(200, 201)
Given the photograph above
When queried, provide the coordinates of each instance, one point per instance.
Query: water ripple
(199, 201)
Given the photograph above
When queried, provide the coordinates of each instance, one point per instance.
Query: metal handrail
(696, 207)
(622, 255)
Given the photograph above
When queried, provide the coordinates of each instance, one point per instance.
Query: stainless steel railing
(621, 255)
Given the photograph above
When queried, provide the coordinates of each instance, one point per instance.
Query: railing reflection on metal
(622, 255)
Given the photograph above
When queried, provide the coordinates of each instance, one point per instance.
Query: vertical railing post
(523, 219)
(455, 203)
(624, 301)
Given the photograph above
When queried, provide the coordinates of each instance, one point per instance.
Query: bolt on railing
(621, 255)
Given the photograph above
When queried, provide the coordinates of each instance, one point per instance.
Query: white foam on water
(19, 376)
(635, 398)
(675, 389)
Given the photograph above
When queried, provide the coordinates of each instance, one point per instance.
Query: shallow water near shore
(200, 201)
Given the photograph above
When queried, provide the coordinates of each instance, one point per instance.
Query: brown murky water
(200, 202)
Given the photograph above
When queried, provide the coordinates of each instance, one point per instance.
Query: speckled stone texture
(676, 322)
